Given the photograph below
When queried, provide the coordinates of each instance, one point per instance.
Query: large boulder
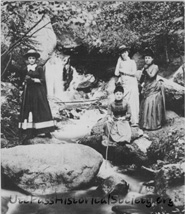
(44, 37)
(44, 140)
(174, 95)
(122, 153)
(169, 182)
(179, 76)
(46, 168)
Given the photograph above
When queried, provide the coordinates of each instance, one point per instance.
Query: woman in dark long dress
(152, 109)
(35, 115)
(117, 128)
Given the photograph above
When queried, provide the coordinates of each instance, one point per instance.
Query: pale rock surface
(43, 35)
(46, 168)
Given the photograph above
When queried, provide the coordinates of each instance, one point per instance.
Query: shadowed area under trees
(91, 32)
(99, 28)
(87, 35)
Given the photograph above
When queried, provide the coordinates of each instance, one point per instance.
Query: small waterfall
(54, 75)
(54, 69)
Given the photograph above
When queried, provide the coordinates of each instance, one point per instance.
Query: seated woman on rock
(152, 109)
(117, 128)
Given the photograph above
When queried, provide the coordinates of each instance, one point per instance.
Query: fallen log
(149, 170)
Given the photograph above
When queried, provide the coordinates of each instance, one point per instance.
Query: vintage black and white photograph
(92, 107)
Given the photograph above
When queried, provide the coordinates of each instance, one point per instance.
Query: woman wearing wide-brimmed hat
(152, 110)
(126, 71)
(35, 115)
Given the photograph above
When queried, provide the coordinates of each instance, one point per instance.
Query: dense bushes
(101, 27)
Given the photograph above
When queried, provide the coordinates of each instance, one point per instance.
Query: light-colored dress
(119, 129)
(127, 69)
(152, 111)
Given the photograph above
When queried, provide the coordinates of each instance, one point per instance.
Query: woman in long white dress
(126, 71)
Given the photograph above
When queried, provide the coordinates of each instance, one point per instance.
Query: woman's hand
(127, 117)
(110, 119)
(27, 77)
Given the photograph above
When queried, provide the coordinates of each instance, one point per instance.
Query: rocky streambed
(72, 165)
(149, 170)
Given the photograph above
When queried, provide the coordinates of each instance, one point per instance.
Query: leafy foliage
(100, 28)
(169, 149)
(160, 25)
(103, 25)
(10, 112)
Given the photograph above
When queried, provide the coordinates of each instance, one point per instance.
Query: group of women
(126, 110)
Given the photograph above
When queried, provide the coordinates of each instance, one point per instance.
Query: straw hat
(123, 48)
(32, 52)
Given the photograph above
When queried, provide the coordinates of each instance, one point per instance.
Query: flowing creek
(87, 200)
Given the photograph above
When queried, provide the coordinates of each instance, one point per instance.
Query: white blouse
(126, 67)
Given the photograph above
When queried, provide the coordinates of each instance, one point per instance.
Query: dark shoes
(26, 139)
(48, 135)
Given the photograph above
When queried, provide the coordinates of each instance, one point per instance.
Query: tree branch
(20, 39)
(2, 74)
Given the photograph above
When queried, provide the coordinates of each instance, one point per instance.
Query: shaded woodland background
(96, 30)
(90, 32)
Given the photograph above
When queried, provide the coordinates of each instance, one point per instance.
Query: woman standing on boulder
(126, 71)
(35, 116)
(152, 111)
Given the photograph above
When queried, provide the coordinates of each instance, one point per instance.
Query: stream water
(86, 201)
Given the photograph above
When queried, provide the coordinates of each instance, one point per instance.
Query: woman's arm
(41, 78)
(143, 75)
(128, 114)
(117, 68)
(109, 110)
(152, 72)
(134, 68)
(110, 113)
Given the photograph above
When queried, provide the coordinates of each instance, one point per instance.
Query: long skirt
(131, 94)
(118, 131)
(152, 114)
(35, 110)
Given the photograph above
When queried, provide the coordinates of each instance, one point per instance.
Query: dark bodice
(149, 74)
(38, 73)
(119, 108)
(34, 74)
